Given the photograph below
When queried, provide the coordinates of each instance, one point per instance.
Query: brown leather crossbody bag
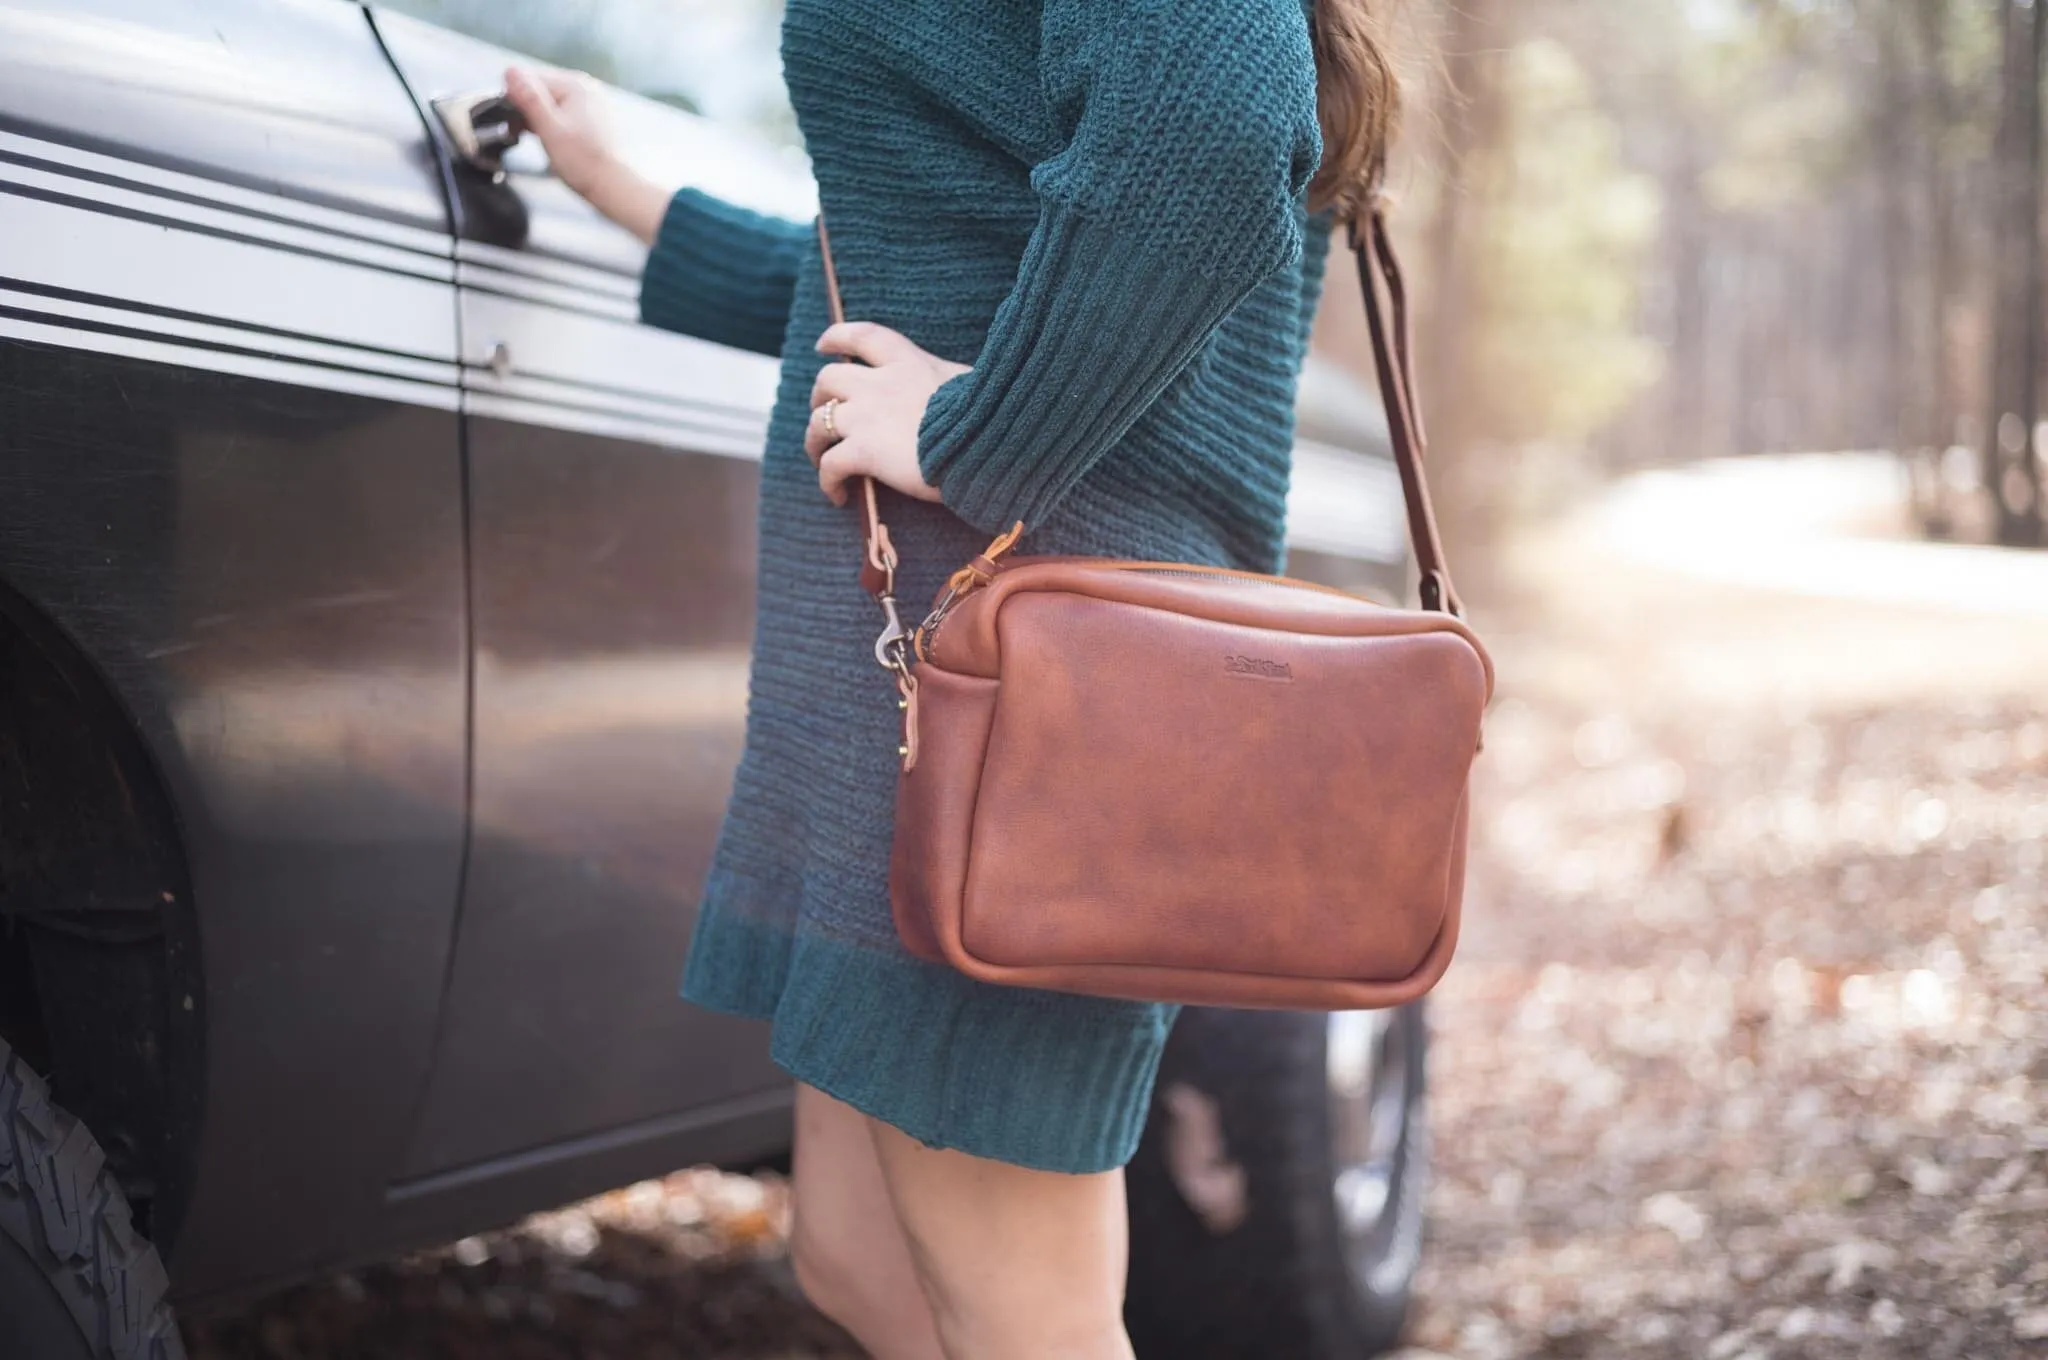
(1167, 782)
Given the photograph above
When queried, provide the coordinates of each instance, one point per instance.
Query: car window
(719, 58)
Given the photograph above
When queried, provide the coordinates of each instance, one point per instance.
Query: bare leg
(850, 1255)
(1018, 1264)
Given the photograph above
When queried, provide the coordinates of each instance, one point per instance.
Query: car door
(612, 480)
(232, 480)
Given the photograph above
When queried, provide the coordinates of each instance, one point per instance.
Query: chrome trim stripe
(567, 297)
(58, 310)
(710, 381)
(583, 278)
(264, 286)
(526, 387)
(668, 433)
(242, 365)
(219, 277)
(222, 195)
(94, 195)
(55, 245)
(727, 440)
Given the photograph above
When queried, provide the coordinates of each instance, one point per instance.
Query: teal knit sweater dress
(1099, 204)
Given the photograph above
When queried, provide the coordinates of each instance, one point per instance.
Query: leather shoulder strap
(878, 564)
(1393, 360)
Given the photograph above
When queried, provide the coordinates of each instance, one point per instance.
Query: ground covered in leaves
(1745, 1056)
(691, 1267)
(1747, 1053)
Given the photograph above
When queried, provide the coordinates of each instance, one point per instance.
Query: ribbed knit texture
(722, 273)
(1098, 205)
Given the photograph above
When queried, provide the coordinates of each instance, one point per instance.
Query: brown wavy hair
(1358, 103)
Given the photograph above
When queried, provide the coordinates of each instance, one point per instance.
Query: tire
(77, 1282)
(1302, 1236)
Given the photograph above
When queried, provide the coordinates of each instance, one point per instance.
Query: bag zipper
(927, 635)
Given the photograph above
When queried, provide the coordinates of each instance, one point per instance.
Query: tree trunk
(1471, 125)
(2011, 472)
(1940, 194)
(1903, 383)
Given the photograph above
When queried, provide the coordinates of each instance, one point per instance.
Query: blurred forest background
(1663, 232)
(1646, 232)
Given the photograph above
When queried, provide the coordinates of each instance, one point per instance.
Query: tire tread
(59, 1203)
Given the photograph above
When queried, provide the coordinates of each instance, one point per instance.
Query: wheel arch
(100, 973)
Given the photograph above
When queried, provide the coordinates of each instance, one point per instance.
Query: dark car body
(376, 596)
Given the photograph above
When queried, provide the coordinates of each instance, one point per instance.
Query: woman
(1082, 242)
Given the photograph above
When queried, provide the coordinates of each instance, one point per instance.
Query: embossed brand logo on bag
(1254, 668)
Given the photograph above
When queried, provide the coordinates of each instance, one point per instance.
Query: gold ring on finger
(831, 424)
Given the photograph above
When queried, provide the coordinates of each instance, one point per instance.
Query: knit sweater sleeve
(1190, 136)
(722, 273)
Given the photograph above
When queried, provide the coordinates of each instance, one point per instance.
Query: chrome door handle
(483, 126)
